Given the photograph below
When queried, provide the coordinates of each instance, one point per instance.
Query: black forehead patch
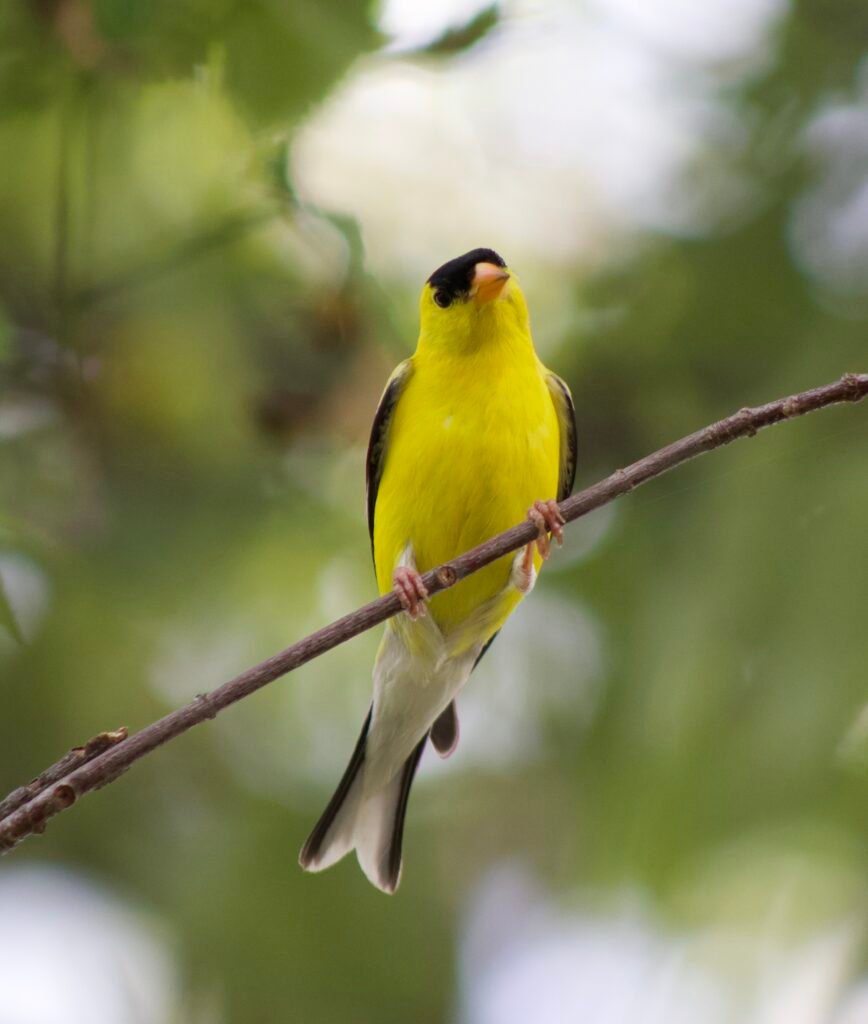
(456, 276)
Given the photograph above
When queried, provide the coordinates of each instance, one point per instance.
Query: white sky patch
(854, 1009)
(709, 32)
(829, 228)
(525, 957)
(568, 128)
(71, 953)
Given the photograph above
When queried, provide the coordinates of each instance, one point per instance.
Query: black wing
(567, 422)
(379, 437)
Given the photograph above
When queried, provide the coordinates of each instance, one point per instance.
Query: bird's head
(472, 299)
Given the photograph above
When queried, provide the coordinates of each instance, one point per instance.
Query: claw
(547, 518)
(411, 590)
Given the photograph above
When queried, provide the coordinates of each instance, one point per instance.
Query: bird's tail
(370, 823)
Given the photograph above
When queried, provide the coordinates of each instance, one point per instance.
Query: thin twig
(75, 758)
(64, 787)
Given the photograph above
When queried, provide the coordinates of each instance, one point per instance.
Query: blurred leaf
(455, 40)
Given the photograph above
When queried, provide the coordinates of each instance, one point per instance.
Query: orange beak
(488, 282)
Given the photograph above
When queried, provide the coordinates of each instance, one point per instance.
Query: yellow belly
(470, 448)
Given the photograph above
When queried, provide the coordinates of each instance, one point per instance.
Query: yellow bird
(471, 435)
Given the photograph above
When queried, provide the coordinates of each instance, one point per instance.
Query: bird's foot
(547, 518)
(411, 590)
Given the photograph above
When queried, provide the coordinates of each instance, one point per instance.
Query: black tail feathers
(310, 852)
(370, 823)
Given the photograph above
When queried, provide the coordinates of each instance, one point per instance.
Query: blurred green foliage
(189, 361)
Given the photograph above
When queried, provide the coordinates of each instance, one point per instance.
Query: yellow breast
(473, 443)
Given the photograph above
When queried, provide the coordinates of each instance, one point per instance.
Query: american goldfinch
(471, 435)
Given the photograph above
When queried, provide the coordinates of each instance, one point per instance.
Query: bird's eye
(442, 298)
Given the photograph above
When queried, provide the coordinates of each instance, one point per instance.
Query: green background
(667, 738)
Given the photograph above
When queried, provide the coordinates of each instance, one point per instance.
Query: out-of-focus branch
(231, 230)
(27, 810)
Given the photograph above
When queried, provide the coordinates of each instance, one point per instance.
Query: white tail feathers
(370, 823)
(336, 841)
(361, 823)
(374, 836)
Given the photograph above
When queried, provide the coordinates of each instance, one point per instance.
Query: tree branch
(74, 759)
(108, 755)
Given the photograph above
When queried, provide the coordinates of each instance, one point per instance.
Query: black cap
(456, 276)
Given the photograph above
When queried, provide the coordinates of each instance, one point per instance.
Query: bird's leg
(523, 575)
(547, 518)
(411, 590)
